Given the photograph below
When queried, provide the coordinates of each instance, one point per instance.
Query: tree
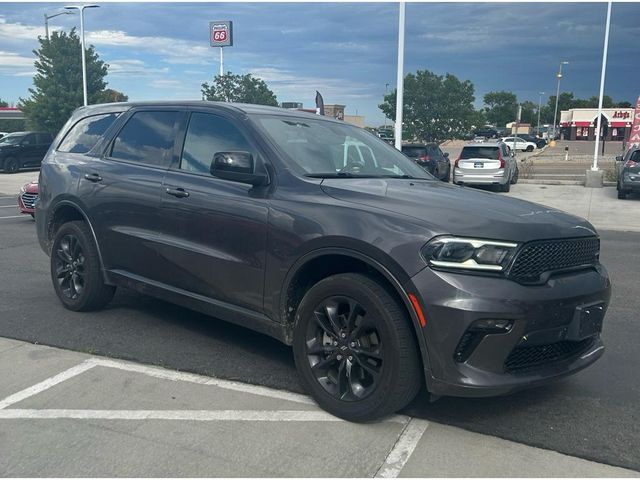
(57, 83)
(436, 107)
(110, 96)
(500, 108)
(239, 89)
(529, 112)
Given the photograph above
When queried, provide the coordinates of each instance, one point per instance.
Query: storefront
(580, 123)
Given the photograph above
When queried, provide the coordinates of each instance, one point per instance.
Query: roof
(483, 144)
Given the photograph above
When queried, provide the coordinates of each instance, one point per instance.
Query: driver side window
(208, 134)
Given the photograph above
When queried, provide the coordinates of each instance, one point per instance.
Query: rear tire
(76, 272)
(447, 177)
(506, 188)
(11, 165)
(515, 177)
(622, 194)
(529, 148)
(355, 349)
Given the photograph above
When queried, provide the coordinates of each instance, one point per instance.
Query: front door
(214, 243)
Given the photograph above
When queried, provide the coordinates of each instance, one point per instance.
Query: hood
(449, 209)
(31, 187)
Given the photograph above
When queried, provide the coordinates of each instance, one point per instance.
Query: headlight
(458, 253)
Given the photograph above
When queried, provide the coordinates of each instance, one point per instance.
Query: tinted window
(479, 152)
(29, 139)
(635, 156)
(206, 135)
(146, 138)
(43, 138)
(414, 152)
(84, 135)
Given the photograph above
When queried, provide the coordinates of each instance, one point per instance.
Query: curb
(536, 181)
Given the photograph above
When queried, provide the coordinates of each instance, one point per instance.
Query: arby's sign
(634, 135)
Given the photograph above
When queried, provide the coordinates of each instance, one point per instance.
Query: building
(291, 105)
(580, 123)
(335, 111)
(357, 120)
(524, 128)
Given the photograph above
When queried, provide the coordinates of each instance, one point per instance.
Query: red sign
(634, 136)
(219, 35)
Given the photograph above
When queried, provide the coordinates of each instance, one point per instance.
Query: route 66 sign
(221, 33)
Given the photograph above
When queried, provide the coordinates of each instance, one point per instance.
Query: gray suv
(628, 173)
(378, 275)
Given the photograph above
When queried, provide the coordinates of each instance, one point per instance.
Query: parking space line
(403, 448)
(9, 206)
(14, 216)
(48, 383)
(193, 415)
(203, 380)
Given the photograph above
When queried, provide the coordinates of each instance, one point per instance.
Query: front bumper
(544, 319)
(631, 182)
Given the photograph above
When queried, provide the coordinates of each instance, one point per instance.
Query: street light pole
(386, 88)
(81, 8)
(594, 167)
(555, 112)
(400, 79)
(46, 21)
(539, 107)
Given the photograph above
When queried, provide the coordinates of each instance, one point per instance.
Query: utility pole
(555, 112)
(594, 167)
(46, 21)
(400, 79)
(539, 107)
(386, 88)
(81, 8)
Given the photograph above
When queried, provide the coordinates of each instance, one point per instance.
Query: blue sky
(345, 50)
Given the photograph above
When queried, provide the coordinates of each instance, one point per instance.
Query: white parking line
(48, 383)
(402, 450)
(14, 216)
(9, 206)
(193, 415)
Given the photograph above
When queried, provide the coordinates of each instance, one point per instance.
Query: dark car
(487, 132)
(23, 150)
(28, 197)
(318, 234)
(430, 157)
(628, 173)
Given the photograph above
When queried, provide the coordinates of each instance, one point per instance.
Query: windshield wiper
(337, 175)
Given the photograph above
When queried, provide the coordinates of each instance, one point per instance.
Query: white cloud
(19, 31)
(15, 64)
(134, 68)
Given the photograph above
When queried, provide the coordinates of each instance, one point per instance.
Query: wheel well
(324, 266)
(62, 215)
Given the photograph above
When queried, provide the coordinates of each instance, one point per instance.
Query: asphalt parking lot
(593, 415)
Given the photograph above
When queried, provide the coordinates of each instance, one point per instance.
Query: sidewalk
(68, 414)
(598, 205)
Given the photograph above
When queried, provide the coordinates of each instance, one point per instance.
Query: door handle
(92, 177)
(177, 192)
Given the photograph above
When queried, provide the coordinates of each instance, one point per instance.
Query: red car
(28, 197)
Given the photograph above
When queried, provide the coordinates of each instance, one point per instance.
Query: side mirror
(619, 158)
(237, 167)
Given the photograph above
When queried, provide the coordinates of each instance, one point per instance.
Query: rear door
(122, 189)
(43, 142)
(28, 152)
(479, 160)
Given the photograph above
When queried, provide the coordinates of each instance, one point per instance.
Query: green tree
(529, 112)
(111, 96)
(239, 89)
(500, 108)
(436, 107)
(57, 83)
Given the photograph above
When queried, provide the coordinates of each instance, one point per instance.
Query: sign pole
(602, 75)
(400, 79)
(221, 62)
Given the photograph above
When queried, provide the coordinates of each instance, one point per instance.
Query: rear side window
(414, 152)
(207, 135)
(147, 138)
(43, 138)
(84, 135)
(479, 152)
(635, 156)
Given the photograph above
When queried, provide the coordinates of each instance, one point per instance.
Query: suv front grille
(29, 199)
(536, 258)
(522, 359)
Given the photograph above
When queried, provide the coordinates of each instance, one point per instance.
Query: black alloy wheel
(75, 269)
(355, 348)
(11, 165)
(344, 349)
(69, 267)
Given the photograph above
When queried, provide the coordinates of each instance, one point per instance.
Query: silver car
(486, 164)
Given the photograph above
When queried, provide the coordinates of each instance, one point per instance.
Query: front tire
(529, 148)
(355, 349)
(11, 165)
(75, 269)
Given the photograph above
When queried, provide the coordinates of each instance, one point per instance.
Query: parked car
(479, 139)
(379, 276)
(486, 164)
(519, 143)
(486, 132)
(540, 142)
(628, 173)
(430, 157)
(2, 134)
(28, 197)
(23, 150)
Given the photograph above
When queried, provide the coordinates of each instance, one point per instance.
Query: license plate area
(589, 320)
(478, 164)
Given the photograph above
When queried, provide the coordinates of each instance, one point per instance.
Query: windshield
(12, 139)
(479, 152)
(318, 148)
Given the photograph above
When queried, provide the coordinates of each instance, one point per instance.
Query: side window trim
(130, 114)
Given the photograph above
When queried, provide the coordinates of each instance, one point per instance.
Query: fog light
(491, 325)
